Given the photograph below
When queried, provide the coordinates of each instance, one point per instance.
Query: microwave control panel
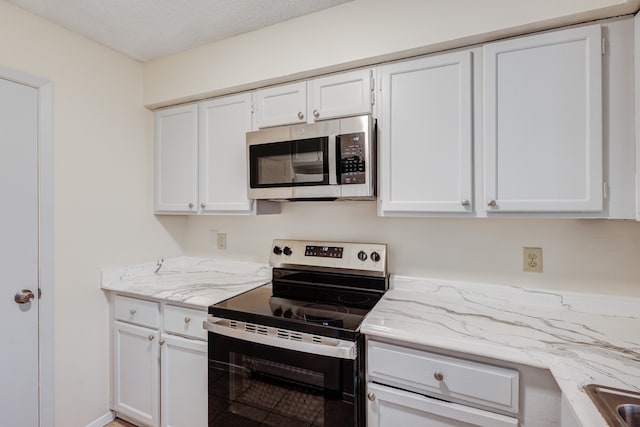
(352, 154)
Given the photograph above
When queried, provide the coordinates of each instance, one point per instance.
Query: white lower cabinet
(183, 389)
(136, 373)
(392, 407)
(159, 363)
(413, 387)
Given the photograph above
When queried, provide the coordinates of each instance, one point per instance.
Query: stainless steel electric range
(290, 353)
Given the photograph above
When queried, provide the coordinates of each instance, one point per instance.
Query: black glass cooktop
(315, 302)
(260, 307)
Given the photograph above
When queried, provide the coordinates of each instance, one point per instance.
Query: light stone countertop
(580, 338)
(197, 282)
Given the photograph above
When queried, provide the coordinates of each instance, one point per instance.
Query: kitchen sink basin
(620, 408)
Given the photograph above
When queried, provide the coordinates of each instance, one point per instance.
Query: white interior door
(19, 253)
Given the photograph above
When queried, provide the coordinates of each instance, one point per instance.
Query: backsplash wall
(596, 256)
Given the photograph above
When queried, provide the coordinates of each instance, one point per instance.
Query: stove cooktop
(260, 307)
(320, 288)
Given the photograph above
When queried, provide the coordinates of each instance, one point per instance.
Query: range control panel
(324, 251)
(370, 257)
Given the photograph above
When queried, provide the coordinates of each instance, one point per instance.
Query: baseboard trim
(103, 420)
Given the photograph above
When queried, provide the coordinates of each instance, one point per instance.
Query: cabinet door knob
(371, 396)
(465, 203)
(300, 115)
(316, 113)
(187, 319)
(161, 342)
(132, 312)
(491, 203)
(438, 376)
(203, 205)
(151, 337)
(190, 205)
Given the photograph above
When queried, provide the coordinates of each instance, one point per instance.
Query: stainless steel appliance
(290, 352)
(328, 160)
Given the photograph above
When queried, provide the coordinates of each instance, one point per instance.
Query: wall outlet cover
(532, 260)
(222, 241)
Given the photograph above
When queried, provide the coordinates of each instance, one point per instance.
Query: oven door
(252, 383)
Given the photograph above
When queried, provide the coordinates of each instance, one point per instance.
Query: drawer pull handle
(371, 396)
(187, 319)
(132, 312)
(438, 376)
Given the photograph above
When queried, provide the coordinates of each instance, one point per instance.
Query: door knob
(24, 296)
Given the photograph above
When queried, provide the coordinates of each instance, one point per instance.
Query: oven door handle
(275, 337)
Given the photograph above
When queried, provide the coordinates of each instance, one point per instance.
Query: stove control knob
(362, 256)
(375, 256)
(277, 250)
(287, 250)
(288, 313)
(277, 312)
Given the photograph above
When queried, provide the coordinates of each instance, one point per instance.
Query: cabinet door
(543, 123)
(340, 95)
(137, 373)
(176, 160)
(281, 105)
(184, 382)
(223, 154)
(391, 407)
(426, 135)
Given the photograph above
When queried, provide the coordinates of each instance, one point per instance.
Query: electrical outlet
(532, 260)
(222, 241)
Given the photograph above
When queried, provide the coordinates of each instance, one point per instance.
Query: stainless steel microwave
(328, 160)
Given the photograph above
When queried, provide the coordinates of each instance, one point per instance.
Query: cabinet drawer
(141, 312)
(185, 321)
(447, 377)
(392, 407)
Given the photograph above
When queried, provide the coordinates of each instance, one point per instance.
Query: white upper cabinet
(340, 95)
(281, 105)
(223, 160)
(201, 160)
(337, 95)
(543, 149)
(176, 159)
(426, 135)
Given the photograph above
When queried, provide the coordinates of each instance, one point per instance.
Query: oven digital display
(324, 251)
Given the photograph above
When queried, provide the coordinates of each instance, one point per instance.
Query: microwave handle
(333, 174)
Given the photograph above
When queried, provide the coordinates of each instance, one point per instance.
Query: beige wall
(354, 34)
(597, 256)
(102, 194)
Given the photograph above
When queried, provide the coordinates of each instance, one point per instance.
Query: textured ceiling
(148, 29)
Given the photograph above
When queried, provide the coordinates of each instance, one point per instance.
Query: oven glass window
(254, 391)
(302, 162)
